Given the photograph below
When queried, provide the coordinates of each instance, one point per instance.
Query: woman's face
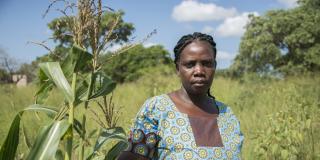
(196, 67)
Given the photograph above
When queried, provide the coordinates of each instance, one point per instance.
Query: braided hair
(189, 38)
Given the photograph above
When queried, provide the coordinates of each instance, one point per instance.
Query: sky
(22, 22)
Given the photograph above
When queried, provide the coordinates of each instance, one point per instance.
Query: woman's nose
(198, 69)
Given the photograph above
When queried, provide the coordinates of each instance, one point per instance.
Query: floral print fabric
(159, 115)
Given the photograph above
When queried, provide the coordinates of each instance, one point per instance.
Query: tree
(62, 34)
(129, 65)
(29, 70)
(62, 30)
(8, 66)
(78, 77)
(3, 75)
(286, 41)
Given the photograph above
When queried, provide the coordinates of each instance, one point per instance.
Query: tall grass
(256, 102)
(12, 100)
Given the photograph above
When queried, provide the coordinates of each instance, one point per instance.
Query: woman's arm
(143, 136)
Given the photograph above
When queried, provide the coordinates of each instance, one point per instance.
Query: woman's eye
(189, 65)
(207, 64)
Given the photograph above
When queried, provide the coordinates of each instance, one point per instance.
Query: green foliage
(129, 66)
(29, 70)
(107, 135)
(62, 33)
(285, 41)
(8, 66)
(9, 147)
(290, 133)
(116, 150)
(46, 144)
(77, 60)
(52, 74)
(4, 75)
(62, 30)
(76, 74)
(103, 85)
(154, 78)
(254, 101)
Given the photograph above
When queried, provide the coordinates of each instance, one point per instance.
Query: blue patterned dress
(159, 115)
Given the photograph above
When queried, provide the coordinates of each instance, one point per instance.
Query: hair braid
(187, 39)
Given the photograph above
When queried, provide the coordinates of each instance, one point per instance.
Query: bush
(128, 66)
(289, 134)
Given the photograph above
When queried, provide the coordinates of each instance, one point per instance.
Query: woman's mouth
(199, 83)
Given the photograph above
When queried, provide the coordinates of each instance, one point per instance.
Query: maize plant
(79, 79)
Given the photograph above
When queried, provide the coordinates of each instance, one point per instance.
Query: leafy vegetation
(76, 118)
(7, 66)
(131, 64)
(77, 76)
(278, 108)
(281, 41)
(290, 135)
(62, 29)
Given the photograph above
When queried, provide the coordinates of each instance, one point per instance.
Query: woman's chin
(199, 89)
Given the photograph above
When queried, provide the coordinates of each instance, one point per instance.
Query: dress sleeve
(147, 118)
(143, 136)
(237, 137)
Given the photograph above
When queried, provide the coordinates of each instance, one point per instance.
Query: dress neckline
(208, 115)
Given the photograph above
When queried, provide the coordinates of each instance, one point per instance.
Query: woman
(187, 123)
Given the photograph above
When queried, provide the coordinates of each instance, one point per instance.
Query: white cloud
(222, 55)
(234, 26)
(195, 11)
(208, 29)
(149, 44)
(289, 3)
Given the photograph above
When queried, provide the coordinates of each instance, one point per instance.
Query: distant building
(20, 80)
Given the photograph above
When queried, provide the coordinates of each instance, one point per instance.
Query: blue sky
(22, 21)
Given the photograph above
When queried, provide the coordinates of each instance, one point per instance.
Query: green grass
(252, 100)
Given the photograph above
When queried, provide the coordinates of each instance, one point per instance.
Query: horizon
(21, 23)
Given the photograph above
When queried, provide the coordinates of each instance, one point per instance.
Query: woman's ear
(177, 69)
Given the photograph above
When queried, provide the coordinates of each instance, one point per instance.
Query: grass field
(279, 118)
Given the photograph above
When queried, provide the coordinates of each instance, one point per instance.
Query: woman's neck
(193, 104)
(192, 98)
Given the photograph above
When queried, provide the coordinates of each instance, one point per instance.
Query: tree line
(280, 42)
(283, 42)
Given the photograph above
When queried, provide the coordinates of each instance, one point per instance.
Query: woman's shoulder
(157, 97)
(223, 108)
(226, 115)
(158, 102)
